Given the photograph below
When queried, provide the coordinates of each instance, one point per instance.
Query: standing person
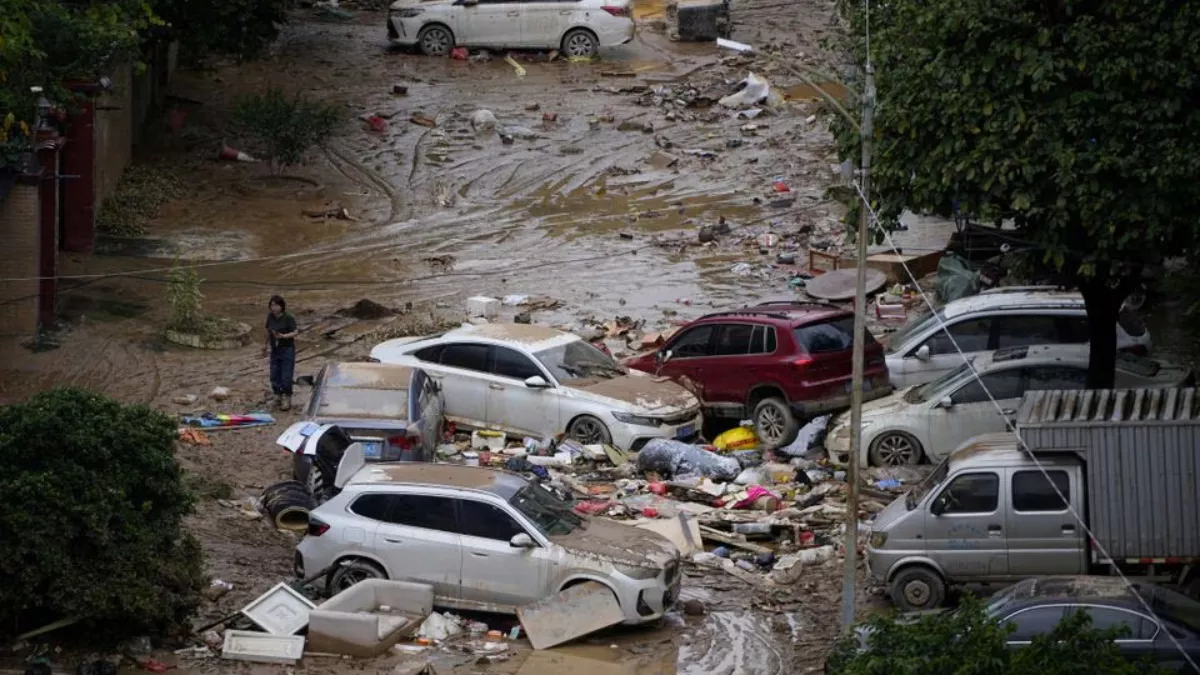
(281, 347)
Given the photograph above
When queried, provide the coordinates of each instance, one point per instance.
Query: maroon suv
(781, 362)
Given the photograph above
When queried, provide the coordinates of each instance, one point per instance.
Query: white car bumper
(613, 33)
(634, 436)
(403, 31)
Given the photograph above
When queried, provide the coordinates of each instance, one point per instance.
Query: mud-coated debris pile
(366, 309)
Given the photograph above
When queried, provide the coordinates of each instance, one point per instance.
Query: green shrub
(92, 524)
(284, 127)
(966, 642)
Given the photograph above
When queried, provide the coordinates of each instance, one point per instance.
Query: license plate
(686, 431)
(372, 449)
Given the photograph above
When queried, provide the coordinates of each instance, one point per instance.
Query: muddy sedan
(528, 380)
(484, 539)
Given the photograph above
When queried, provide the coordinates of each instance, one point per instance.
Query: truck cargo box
(1141, 454)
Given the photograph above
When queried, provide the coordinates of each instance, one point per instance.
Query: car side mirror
(922, 353)
(521, 540)
(945, 403)
(664, 356)
(937, 508)
(537, 382)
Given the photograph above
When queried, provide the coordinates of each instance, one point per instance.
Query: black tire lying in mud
(288, 504)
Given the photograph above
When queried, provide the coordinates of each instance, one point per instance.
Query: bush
(285, 128)
(93, 519)
(184, 298)
(967, 642)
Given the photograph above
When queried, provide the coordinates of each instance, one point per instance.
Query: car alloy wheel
(774, 423)
(436, 41)
(351, 573)
(580, 43)
(588, 431)
(895, 450)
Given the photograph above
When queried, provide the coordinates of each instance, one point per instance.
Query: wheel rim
(436, 41)
(917, 593)
(587, 432)
(579, 44)
(770, 424)
(896, 450)
(354, 574)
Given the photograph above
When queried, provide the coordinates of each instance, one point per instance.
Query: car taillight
(316, 528)
(617, 11)
(802, 361)
(1136, 350)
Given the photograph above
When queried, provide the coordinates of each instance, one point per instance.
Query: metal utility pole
(860, 331)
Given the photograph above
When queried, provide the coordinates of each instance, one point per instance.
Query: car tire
(895, 448)
(774, 423)
(588, 430)
(917, 588)
(580, 43)
(435, 40)
(349, 573)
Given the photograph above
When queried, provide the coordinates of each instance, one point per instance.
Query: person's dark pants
(283, 367)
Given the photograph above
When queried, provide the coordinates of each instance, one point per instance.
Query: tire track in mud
(340, 161)
(733, 643)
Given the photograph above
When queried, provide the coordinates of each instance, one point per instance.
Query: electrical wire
(1012, 427)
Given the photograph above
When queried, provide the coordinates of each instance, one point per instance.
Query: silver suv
(484, 539)
(1014, 316)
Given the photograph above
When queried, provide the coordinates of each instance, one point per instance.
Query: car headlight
(877, 539)
(639, 420)
(406, 12)
(639, 573)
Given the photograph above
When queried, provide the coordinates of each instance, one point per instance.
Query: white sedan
(575, 27)
(528, 380)
(929, 421)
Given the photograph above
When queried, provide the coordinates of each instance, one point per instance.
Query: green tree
(1077, 120)
(93, 518)
(285, 127)
(967, 642)
(242, 28)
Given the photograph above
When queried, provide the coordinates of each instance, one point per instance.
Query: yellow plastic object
(738, 438)
(516, 66)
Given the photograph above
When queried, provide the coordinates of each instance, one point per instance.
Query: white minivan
(1015, 316)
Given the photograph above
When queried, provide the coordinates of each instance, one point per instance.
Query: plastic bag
(956, 278)
(810, 435)
(737, 438)
(755, 90)
(673, 458)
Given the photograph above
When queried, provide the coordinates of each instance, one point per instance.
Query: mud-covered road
(598, 210)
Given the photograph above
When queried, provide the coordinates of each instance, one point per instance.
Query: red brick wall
(20, 231)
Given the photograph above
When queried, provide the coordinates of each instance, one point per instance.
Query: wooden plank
(575, 612)
(731, 540)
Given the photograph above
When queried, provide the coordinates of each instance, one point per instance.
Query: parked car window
(972, 493)
(549, 514)
(772, 343)
(429, 354)
(512, 363)
(468, 357)
(1074, 329)
(1002, 385)
(1133, 625)
(1033, 622)
(1032, 492)
(972, 335)
(477, 519)
(734, 339)
(1024, 331)
(1046, 378)
(763, 340)
(827, 337)
(370, 506)
(430, 513)
(578, 359)
(692, 343)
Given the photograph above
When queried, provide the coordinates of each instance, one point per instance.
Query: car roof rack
(765, 309)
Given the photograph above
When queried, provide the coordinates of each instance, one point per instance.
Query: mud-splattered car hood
(622, 544)
(647, 392)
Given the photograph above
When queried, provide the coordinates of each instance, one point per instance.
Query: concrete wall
(20, 231)
(115, 116)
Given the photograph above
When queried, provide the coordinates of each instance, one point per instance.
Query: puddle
(599, 660)
(807, 92)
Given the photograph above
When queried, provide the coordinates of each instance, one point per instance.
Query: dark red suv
(780, 362)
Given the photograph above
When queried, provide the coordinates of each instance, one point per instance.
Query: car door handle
(1008, 411)
(1068, 529)
(564, 12)
(994, 530)
(477, 554)
(514, 14)
(393, 541)
(495, 386)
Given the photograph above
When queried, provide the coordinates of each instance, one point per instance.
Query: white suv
(529, 380)
(486, 540)
(1016, 316)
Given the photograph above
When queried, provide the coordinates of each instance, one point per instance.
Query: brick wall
(20, 231)
(115, 115)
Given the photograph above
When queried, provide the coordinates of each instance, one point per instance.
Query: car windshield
(914, 326)
(924, 392)
(1001, 600)
(1176, 606)
(923, 488)
(550, 514)
(578, 360)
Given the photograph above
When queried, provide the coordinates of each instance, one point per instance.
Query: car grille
(681, 418)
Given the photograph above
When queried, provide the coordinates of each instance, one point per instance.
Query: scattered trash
(439, 627)
(754, 90)
(737, 438)
(219, 393)
(423, 120)
(280, 611)
(735, 46)
(676, 458)
(214, 422)
(232, 155)
(338, 212)
(399, 90)
(460, 54)
(244, 645)
(483, 121)
(185, 399)
(217, 589)
(194, 437)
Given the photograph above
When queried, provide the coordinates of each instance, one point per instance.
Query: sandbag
(676, 458)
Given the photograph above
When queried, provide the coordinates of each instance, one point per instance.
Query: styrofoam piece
(488, 308)
(488, 440)
(245, 645)
(735, 46)
(280, 611)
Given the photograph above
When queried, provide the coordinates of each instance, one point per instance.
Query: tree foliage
(967, 642)
(92, 524)
(285, 127)
(242, 28)
(1076, 120)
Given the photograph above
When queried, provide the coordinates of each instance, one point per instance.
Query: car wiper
(570, 370)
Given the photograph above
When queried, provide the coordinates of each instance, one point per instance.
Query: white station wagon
(528, 380)
(575, 27)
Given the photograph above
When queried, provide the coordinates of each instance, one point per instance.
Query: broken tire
(435, 40)
(351, 572)
(288, 505)
(917, 588)
(580, 43)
